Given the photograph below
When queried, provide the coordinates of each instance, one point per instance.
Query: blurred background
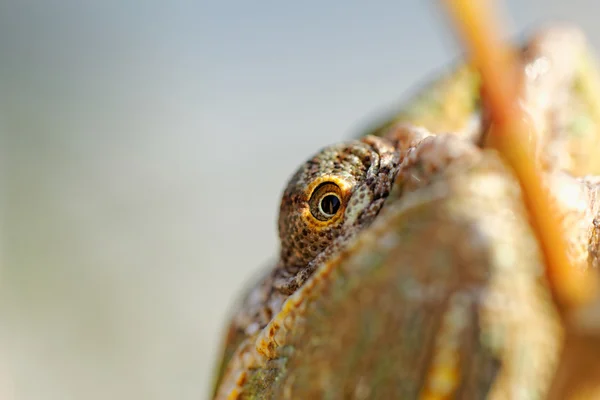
(144, 146)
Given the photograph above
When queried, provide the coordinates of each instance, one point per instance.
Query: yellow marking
(234, 394)
(443, 376)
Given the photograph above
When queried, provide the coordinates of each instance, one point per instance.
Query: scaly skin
(426, 278)
(358, 176)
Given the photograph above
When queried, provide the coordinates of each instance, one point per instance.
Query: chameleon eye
(325, 201)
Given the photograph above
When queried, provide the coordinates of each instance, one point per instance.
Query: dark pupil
(330, 204)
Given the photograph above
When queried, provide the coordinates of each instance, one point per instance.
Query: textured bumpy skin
(421, 276)
(359, 174)
(430, 300)
(363, 171)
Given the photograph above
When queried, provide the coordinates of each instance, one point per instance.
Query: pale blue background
(145, 145)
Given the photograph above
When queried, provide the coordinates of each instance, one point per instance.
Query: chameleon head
(339, 189)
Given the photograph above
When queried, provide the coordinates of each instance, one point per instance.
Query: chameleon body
(408, 268)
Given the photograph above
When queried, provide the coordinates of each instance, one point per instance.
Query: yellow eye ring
(325, 201)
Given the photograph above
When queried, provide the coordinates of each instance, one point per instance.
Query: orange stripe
(515, 139)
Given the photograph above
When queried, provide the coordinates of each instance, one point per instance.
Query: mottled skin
(359, 174)
(441, 216)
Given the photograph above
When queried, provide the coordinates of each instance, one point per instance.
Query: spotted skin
(360, 173)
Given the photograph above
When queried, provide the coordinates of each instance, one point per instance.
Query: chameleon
(407, 265)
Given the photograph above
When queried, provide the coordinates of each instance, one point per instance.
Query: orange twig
(515, 139)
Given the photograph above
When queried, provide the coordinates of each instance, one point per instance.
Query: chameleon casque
(408, 267)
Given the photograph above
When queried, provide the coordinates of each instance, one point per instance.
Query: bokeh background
(144, 147)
